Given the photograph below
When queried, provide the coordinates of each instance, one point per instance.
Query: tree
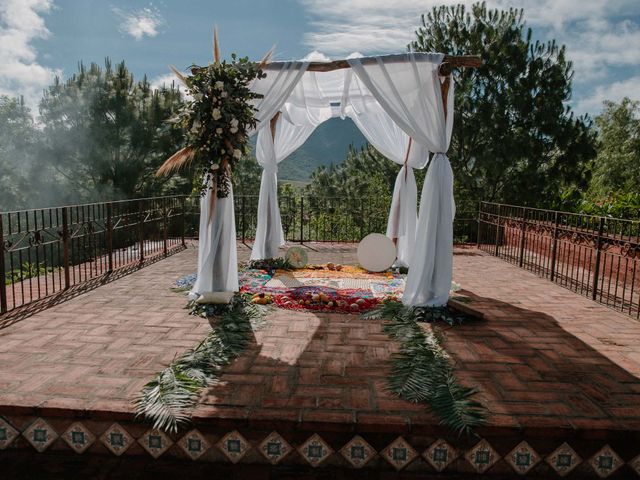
(18, 137)
(515, 140)
(616, 169)
(106, 134)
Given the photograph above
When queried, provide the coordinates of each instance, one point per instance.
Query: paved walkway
(543, 358)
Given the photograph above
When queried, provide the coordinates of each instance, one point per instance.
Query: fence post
(479, 217)
(141, 229)
(596, 272)
(523, 230)
(65, 246)
(184, 222)
(499, 216)
(165, 226)
(554, 246)
(3, 285)
(110, 235)
(301, 220)
(243, 220)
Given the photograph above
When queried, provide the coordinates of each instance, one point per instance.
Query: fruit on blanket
(261, 299)
(355, 306)
(338, 267)
(329, 304)
(324, 297)
(315, 297)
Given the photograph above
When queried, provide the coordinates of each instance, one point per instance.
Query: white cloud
(166, 80)
(615, 92)
(22, 22)
(139, 23)
(599, 34)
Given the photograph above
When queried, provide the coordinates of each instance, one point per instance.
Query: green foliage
(27, 270)
(514, 139)
(104, 135)
(279, 263)
(421, 371)
(18, 141)
(614, 189)
(168, 400)
(219, 116)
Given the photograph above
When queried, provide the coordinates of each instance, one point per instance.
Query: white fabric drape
(390, 140)
(408, 89)
(269, 152)
(217, 254)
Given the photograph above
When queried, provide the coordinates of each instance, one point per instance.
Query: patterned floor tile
(234, 446)
(440, 454)
(40, 434)
(78, 437)
(399, 453)
(635, 464)
(194, 444)
(315, 450)
(605, 462)
(358, 452)
(155, 442)
(116, 439)
(523, 458)
(482, 456)
(7, 434)
(275, 448)
(563, 459)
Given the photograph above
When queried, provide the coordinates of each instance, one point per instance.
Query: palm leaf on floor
(421, 372)
(168, 400)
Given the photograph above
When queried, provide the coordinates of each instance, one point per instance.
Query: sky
(40, 39)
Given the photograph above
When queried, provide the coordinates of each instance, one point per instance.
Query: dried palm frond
(176, 161)
(180, 76)
(216, 45)
(267, 57)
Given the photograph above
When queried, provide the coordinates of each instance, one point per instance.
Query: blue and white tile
(234, 446)
(40, 434)
(523, 458)
(315, 450)
(563, 459)
(7, 434)
(155, 442)
(194, 444)
(358, 452)
(440, 454)
(605, 461)
(78, 437)
(116, 439)
(482, 456)
(274, 448)
(399, 453)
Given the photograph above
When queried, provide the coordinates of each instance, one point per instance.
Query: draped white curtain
(390, 140)
(407, 87)
(306, 107)
(271, 150)
(217, 255)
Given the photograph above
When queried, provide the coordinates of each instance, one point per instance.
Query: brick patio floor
(546, 360)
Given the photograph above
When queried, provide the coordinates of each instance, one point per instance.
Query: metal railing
(598, 257)
(45, 251)
(334, 219)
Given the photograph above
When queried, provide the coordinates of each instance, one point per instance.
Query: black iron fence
(334, 219)
(48, 250)
(598, 257)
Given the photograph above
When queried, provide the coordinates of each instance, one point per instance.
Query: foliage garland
(421, 371)
(169, 399)
(216, 120)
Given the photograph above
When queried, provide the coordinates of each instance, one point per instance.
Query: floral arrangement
(216, 119)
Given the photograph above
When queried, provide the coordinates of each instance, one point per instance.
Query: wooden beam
(449, 62)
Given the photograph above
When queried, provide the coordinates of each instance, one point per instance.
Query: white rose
(215, 166)
(219, 131)
(216, 114)
(198, 96)
(237, 154)
(223, 94)
(234, 122)
(233, 130)
(218, 85)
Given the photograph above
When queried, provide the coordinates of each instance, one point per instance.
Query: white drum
(376, 252)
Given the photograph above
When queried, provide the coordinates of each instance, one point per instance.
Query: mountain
(328, 144)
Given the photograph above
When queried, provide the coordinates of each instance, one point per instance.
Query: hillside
(328, 144)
